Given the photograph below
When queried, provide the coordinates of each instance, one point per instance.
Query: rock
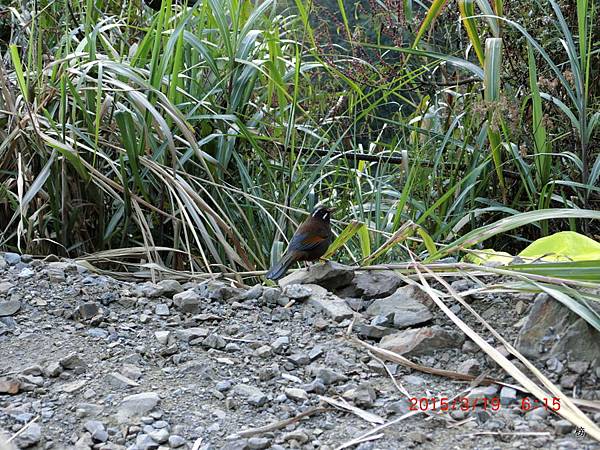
(189, 334)
(483, 391)
(162, 309)
(568, 381)
(214, 341)
(26, 273)
(162, 336)
(12, 259)
(161, 435)
(421, 341)
(217, 290)
(579, 367)
(120, 381)
(370, 284)
(137, 405)
(170, 287)
(9, 385)
(73, 386)
(176, 441)
(264, 351)
(252, 394)
(86, 310)
(187, 301)
(373, 331)
(72, 361)
(328, 376)
(148, 290)
(364, 396)
(551, 329)
(563, 426)
(333, 306)
(300, 436)
(53, 369)
(280, 344)
(270, 296)
(145, 442)
(30, 436)
(508, 395)
(5, 287)
(296, 291)
(9, 308)
(296, 394)
(470, 366)
(253, 293)
(258, 443)
(406, 310)
(330, 275)
(97, 430)
(238, 444)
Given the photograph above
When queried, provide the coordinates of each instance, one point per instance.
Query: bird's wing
(305, 241)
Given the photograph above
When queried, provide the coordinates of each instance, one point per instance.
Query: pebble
(9, 308)
(96, 430)
(328, 376)
(12, 259)
(162, 336)
(137, 405)
(280, 344)
(296, 394)
(258, 443)
(30, 436)
(162, 309)
(176, 441)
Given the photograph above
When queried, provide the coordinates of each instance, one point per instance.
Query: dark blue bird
(310, 241)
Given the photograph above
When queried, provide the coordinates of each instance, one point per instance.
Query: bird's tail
(279, 269)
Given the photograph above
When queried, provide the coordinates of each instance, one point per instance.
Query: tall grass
(201, 132)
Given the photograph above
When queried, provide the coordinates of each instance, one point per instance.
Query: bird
(310, 241)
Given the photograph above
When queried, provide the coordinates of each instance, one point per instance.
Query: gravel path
(90, 362)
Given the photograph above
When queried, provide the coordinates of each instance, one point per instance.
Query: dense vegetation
(197, 132)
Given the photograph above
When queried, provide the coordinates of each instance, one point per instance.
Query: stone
(253, 293)
(189, 334)
(162, 336)
(162, 309)
(9, 385)
(563, 426)
(264, 351)
(187, 301)
(30, 436)
(470, 366)
(579, 367)
(329, 376)
(552, 329)
(330, 304)
(26, 273)
(330, 275)
(508, 395)
(73, 386)
(296, 291)
(370, 284)
(364, 396)
(161, 435)
(258, 443)
(296, 394)
(9, 308)
(72, 361)
(97, 430)
(148, 290)
(252, 394)
(483, 391)
(5, 287)
(53, 369)
(145, 442)
(280, 344)
(217, 290)
(120, 381)
(373, 331)
(12, 259)
(137, 405)
(214, 341)
(405, 308)
(422, 341)
(568, 381)
(176, 441)
(170, 287)
(299, 435)
(270, 296)
(87, 310)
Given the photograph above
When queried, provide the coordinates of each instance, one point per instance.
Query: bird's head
(323, 213)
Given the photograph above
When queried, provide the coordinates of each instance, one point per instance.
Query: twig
(282, 423)
(506, 433)
(22, 430)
